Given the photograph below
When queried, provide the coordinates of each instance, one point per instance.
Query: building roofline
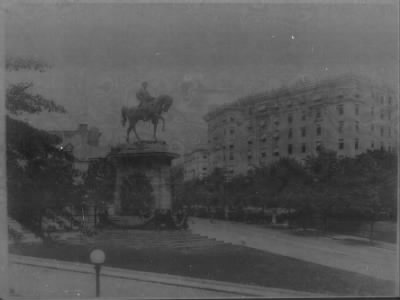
(272, 95)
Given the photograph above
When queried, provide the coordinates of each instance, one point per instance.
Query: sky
(101, 52)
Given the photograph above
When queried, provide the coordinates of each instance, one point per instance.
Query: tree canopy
(363, 187)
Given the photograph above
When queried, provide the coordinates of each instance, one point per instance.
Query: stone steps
(136, 239)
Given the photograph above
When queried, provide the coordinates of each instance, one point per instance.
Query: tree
(25, 63)
(39, 174)
(326, 188)
(177, 187)
(363, 180)
(99, 182)
(20, 99)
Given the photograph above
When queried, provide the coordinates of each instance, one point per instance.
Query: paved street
(378, 262)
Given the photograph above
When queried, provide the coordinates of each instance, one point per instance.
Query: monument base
(142, 185)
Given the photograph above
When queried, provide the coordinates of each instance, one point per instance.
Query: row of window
(303, 148)
(318, 130)
(339, 108)
(390, 100)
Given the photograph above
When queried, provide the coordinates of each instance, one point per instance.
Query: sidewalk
(44, 278)
(368, 260)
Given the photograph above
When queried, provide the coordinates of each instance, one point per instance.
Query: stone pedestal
(151, 159)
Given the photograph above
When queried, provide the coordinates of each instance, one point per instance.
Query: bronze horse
(151, 112)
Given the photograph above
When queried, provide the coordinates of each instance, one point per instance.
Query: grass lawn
(226, 263)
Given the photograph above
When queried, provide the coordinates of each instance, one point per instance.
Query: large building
(195, 164)
(83, 143)
(349, 115)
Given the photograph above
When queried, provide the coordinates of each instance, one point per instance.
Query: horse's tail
(123, 115)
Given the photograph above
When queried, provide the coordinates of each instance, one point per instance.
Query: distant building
(349, 115)
(195, 164)
(83, 143)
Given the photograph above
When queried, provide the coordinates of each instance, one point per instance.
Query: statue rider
(144, 97)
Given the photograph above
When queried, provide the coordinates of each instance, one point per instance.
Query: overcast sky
(233, 47)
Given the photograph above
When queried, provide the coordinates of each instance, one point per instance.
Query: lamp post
(97, 258)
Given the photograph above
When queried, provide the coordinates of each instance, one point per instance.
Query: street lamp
(97, 258)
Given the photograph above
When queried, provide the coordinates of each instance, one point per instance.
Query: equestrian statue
(150, 109)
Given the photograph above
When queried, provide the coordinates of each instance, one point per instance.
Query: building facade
(349, 115)
(83, 143)
(196, 164)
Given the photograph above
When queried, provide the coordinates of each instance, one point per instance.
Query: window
(389, 132)
(318, 113)
(303, 148)
(204, 169)
(318, 146)
(319, 130)
(382, 114)
(382, 131)
(249, 157)
(372, 111)
(250, 142)
(382, 99)
(390, 100)
(263, 154)
(382, 146)
(205, 156)
(357, 109)
(372, 127)
(230, 146)
(250, 128)
(232, 131)
(341, 144)
(232, 119)
(303, 131)
(372, 145)
(231, 156)
(290, 133)
(341, 125)
(264, 139)
(356, 144)
(357, 126)
(290, 149)
(290, 118)
(276, 135)
(276, 153)
(303, 115)
(340, 109)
